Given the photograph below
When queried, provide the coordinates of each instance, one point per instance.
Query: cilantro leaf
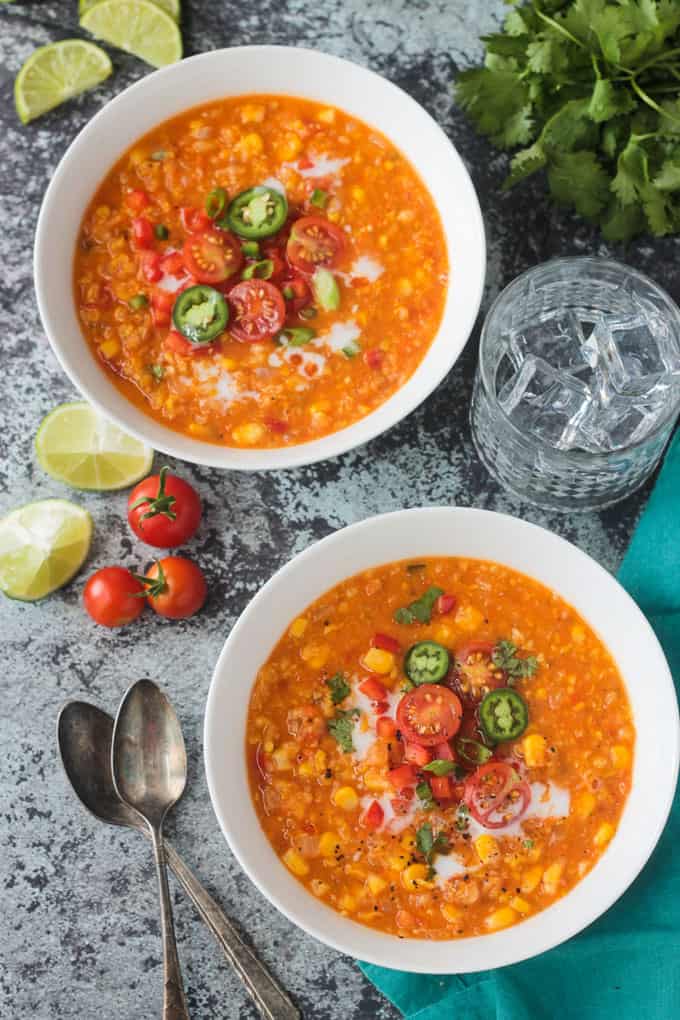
(339, 688)
(341, 726)
(428, 844)
(504, 656)
(440, 767)
(498, 102)
(578, 179)
(631, 173)
(524, 163)
(420, 610)
(424, 794)
(607, 101)
(668, 177)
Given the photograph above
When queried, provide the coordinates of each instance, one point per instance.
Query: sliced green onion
(309, 312)
(159, 155)
(215, 202)
(260, 270)
(157, 371)
(319, 198)
(250, 249)
(288, 293)
(473, 751)
(138, 301)
(161, 232)
(296, 336)
(351, 350)
(326, 290)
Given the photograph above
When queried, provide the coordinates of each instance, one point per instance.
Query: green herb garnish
(590, 91)
(424, 794)
(473, 751)
(161, 232)
(341, 726)
(504, 656)
(158, 156)
(429, 844)
(259, 270)
(528, 844)
(462, 817)
(319, 198)
(251, 250)
(339, 688)
(295, 336)
(215, 202)
(419, 611)
(440, 767)
(138, 302)
(157, 371)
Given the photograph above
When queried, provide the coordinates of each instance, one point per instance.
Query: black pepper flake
(328, 774)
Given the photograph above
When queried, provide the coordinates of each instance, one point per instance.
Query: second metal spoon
(84, 734)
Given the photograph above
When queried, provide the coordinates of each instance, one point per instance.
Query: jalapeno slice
(257, 212)
(426, 663)
(200, 314)
(503, 714)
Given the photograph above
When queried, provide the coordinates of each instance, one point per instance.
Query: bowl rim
(505, 952)
(385, 416)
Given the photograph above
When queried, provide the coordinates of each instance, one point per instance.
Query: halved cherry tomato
(441, 787)
(142, 233)
(212, 255)
(113, 597)
(151, 266)
(477, 674)
(429, 715)
(258, 310)
(402, 776)
(417, 755)
(374, 358)
(314, 242)
(177, 588)
(401, 805)
(444, 752)
(164, 510)
(301, 293)
(194, 219)
(137, 200)
(373, 817)
(496, 795)
(386, 727)
(161, 307)
(445, 604)
(173, 264)
(373, 689)
(387, 643)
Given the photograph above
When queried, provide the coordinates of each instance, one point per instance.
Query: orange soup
(261, 271)
(439, 749)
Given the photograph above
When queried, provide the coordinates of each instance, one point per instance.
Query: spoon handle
(174, 1003)
(270, 999)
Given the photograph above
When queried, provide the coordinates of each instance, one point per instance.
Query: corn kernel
(415, 877)
(251, 144)
(249, 434)
(110, 349)
(404, 287)
(296, 863)
(328, 841)
(281, 760)
(520, 905)
(469, 618)
(319, 888)
(501, 918)
(376, 884)
(378, 661)
(620, 756)
(398, 863)
(326, 116)
(202, 431)
(320, 761)
(228, 363)
(533, 749)
(305, 769)
(486, 847)
(444, 634)
(252, 113)
(376, 783)
(347, 902)
(269, 746)
(450, 913)
(552, 876)
(408, 841)
(603, 834)
(578, 634)
(358, 193)
(298, 627)
(346, 798)
(531, 878)
(584, 804)
(315, 655)
(355, 872)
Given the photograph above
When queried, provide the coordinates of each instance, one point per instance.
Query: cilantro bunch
(591, 91)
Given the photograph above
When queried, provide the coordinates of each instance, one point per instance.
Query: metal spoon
(84, 734)
(149, 768)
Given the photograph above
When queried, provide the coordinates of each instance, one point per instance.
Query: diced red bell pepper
(417, 755)
(151, 266)
(374, 358)
(445, 604)
(402, 776)
(401, 805)
(380, 707)
(161, 307)
(173, 264)
(142, 233)
(441, 787)
(276, 425)
(194, 220)
(137, 200)
(386, 727)
(178, 344)
(373, 817)
(444, 752)
(373, 689)
(305, 163)
(386, 642)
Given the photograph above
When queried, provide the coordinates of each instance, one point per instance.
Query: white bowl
(447, 532)
(230, 72)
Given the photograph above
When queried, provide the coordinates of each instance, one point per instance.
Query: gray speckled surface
(80, 932)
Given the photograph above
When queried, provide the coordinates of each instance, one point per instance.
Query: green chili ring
(503, 715)
(426, 663)
(256, 213)
(200, 314)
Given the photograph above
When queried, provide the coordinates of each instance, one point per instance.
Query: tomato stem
(153, 586)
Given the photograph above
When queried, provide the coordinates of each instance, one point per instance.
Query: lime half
(77, 446)
(171, 6)
(42, 545)
(58, 72)
(139, 26)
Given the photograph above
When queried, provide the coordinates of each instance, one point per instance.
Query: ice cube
(619, 424)
(640, 355)
(545, 402)
(558, 339)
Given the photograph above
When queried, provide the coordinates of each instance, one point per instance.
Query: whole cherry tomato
(164, 510)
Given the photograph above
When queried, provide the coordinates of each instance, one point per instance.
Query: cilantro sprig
(428, 844)
(589, 90)
(424, 795)
(338, 687)
(341, 726)
(420, 610)
(504, 656)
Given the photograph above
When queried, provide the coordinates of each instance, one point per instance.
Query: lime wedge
(171, 6)
(139, 26)
(42, 545)
(77, 446)
(58, 72)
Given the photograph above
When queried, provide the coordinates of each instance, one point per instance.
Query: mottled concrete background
(79, 938)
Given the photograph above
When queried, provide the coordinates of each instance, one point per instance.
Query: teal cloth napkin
(627, 964)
